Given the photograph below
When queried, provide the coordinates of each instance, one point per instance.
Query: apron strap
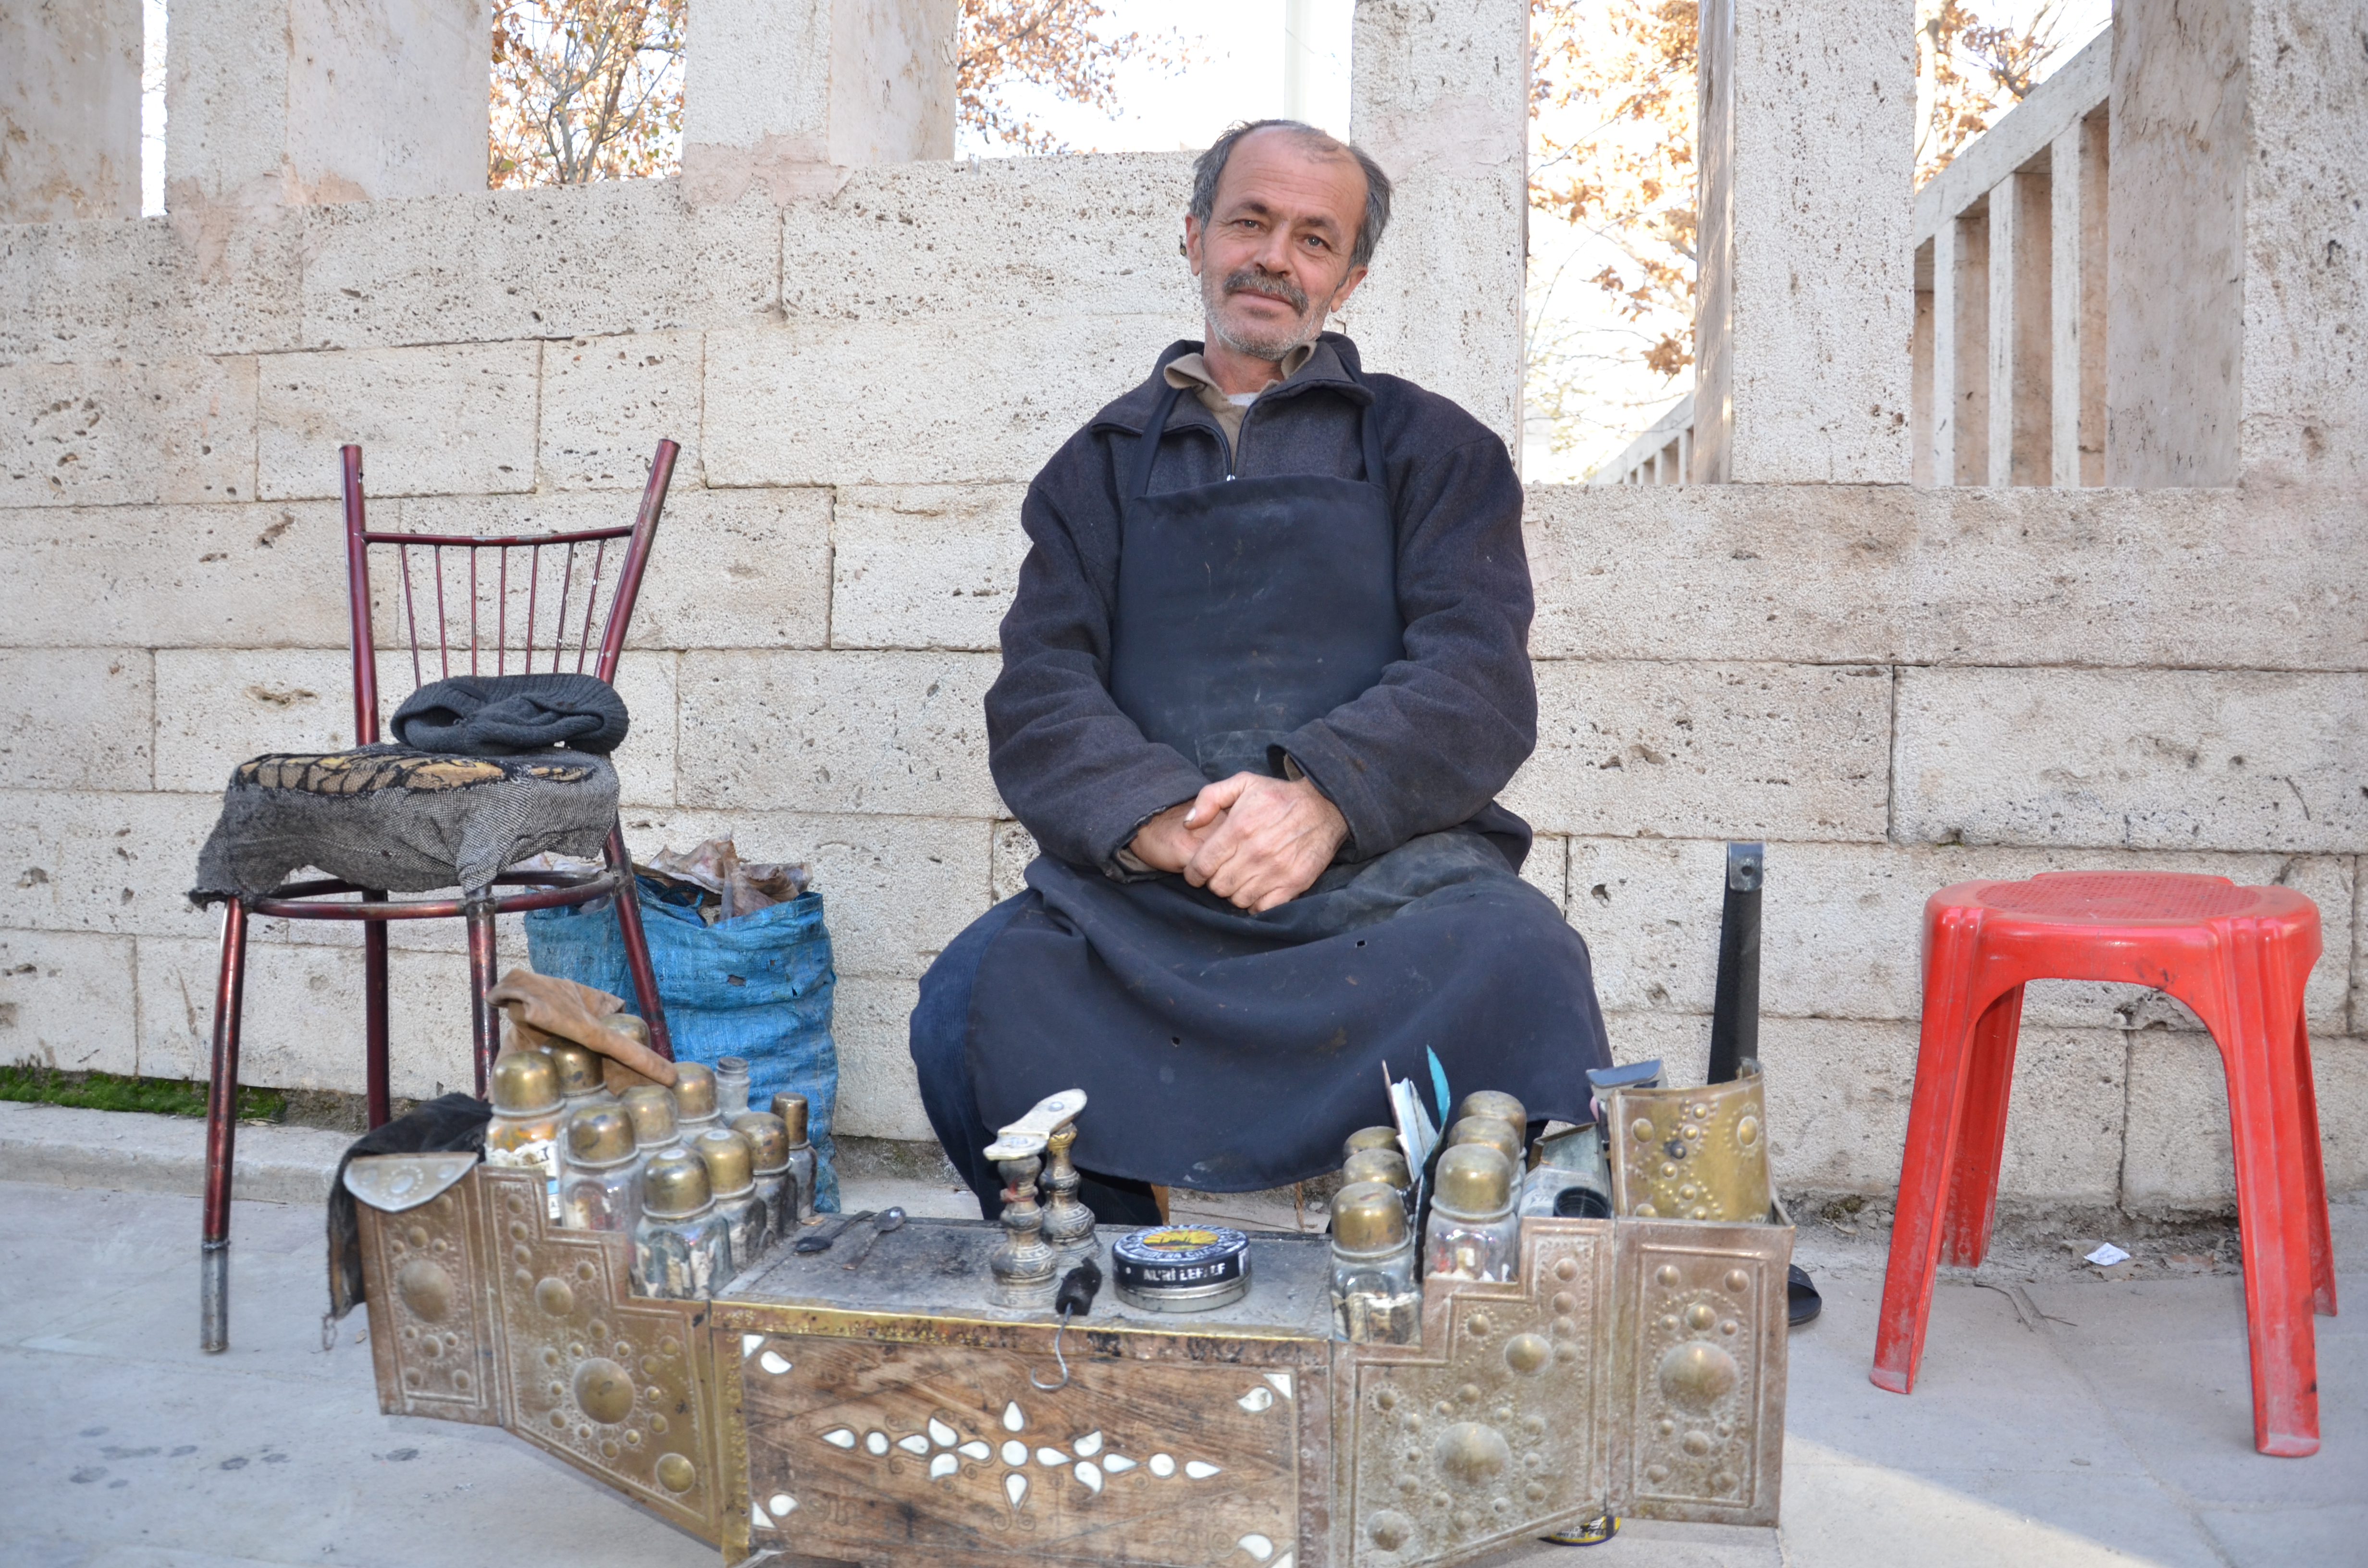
(1375, 475)
(1146, 448)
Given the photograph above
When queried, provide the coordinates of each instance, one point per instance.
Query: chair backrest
(471, 606)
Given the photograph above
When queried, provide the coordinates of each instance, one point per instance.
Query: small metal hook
(1053, 1388)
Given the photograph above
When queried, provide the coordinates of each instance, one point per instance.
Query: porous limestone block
(70, 111)
(879, 1091)
(453, 419)
(116, 862)
(222, 706)
(553, 262)
(2179, 1154)
(1015, 846)
(1838, 1095)
(128, 432)
(173, 576)
(66, 1001)
(896, 890)
(607, 401)
(1649, 911)
(2064, 1122)
(957, 240)
(1546, 867)
(1703, 750)
(91, 291)
(925, 566)
(881, 401)
(2143, 759)
(76, 719)
(301, 1025)
(1680, 1042)
(730, 568)
(895, 733)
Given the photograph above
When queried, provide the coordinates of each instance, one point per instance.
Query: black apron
(1226, 1051)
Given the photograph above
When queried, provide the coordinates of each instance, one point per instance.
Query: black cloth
(511, 715)
(450, 1122)
(1258, 619)
(1426, 749)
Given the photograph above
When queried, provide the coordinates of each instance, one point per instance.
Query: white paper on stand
(1417, 1136)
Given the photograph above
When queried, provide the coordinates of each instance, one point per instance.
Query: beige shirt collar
(1190, 372)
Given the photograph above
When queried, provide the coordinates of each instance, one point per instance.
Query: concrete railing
(2009, 351)
(1662, 455)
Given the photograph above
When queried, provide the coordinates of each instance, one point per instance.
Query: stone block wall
(1896, 688)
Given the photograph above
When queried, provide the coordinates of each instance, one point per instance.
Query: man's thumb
(1215, 798)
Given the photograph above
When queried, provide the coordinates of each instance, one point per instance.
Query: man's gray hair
(1211, 166)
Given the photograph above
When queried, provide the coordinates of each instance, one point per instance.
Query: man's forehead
(1279, 168)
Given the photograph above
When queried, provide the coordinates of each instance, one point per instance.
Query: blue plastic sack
(758, 987)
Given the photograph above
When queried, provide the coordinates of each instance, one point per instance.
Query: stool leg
(2313, 1175)
(1952, 944)
(221, 1136)
(1981, 1134)
(374, 1021)
(484, 1023)
(637, 948)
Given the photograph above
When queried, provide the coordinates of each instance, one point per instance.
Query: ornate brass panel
(1492, 1430)
(1693, 1153)
(1702, 1322)
(430, 1327)
(613, 1383)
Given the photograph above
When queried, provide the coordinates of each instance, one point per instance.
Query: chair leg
(1952, 944)
(374, 1023)
(221, 1136)
(637, 947)
(485, 1022)
(2313, 1175)
(1981, 1135)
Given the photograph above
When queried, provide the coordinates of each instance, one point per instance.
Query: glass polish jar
(1505, 1108)
(730, 1087)
(1492, 1130)
(694, 1099)
(791, 1109)
(1379, 1165)
(580, 1080)
(524, 1133)
(1473, 1232)
(1571, 1180)
(682, 1247)
(732, 1177)
(597, 1188)
(651, 1109)
(1366, 1138)
(1376, 1300)
(768, 1144)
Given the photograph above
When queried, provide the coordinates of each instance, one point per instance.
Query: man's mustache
(1250, 280)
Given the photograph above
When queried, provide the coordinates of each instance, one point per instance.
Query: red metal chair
(568, 626)
(2239, 957)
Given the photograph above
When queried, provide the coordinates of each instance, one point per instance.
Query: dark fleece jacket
(1425, 749)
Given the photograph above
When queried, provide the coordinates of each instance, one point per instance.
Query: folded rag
(507, 715)
(548, 1004)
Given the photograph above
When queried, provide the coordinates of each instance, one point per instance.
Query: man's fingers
(1217, 797)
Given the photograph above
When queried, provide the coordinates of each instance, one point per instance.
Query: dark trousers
(940, 1031)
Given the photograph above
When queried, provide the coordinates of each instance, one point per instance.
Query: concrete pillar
(2021, 330)
(293, 102)
(69, 109)
(788, 94)
(1920, 370)
(1439, 96)
(1805, 291)
(1961, 338)
(2077, 301)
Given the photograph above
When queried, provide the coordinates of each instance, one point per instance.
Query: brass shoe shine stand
(885, 1411)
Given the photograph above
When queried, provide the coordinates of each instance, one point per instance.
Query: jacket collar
(1332, 365)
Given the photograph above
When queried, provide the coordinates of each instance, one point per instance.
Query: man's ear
(1191, 247)
(1347, 287)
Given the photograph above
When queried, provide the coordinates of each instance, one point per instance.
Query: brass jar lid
(1368, 1217)
(579, 1069)
(632, 1027)
(1500, 1104)
(731, 1164)
(652, 1109)
(1474, 1181)
(674, 1186)
(600, 1136)
(1378, 1165)
(694, 1091)
(1366, 1138)
(1488, 1130)
(791, 1109)
(768, 1140)
(524, 1084)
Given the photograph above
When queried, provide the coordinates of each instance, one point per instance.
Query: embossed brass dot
(432, 1348)
(604, 1391)
(1690, 1192)
(517, 1230)
(424, 1288)
(554, 1296)
(1695, 1443)
(1567, 1269)
(1698, 1112)
(1409, 1486)
(550, 1355)
(584, 1271)
(1535, 1426)
(1565, 1327)
(1729, 1326)
(1535, 1491)
(624, 1350)
(1697, 1374)
(1464, 1519)
(1670, 1323)
(411, 1377)
(1477, 1325)
(1656, 1473)
(577, 1351)
(1700, 1317)
(1644, 1211)
(1469, 1394)
(558, 1391)
(522, 1253)
(1667, 1273)
(1565, 1352)
(1502, 1504)
(596, 1330)
(1737, 1280)
(1526, 1352)
(417, 1236)
(650, 1365)
(658, 1423)
(668, 1347)
(1472, 1453)
(1723, 1481)
(1698, 1213)
(1642, 1129)
(1387, 1399)
(1563, 1303)
(1725, 1428)
(1691, 1130)
(1746, 1131)
(633, 1440)
(1669, 1169)
(516, 1205)
(1668, 1428)
(409, 1331)
(1447, 1407)
(676, 1473)
(1389, 1530)
(608, 1449)
(559, 1419)
(1413, 1421)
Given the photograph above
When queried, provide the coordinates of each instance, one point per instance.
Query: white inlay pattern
(759, 1519)
(1117, 1464)
(1090, 1474)
(974, 1449)
(944, 1465)
(1015, 1486)
(1050, 1459)
(1088, 1446)
(842, 1438)
(916, 1444)
(1200, 1470)
(749, 1343)
(875, 1443)
(1285, 1560)
(1012, 1419)
(782, 1504)
(1281, 1381)
(1258, 1399)
(1095, 1465)
(774, 1362)
(1015, 1452)
(1162, 1466)
(1257, 1545)
(941, 1433)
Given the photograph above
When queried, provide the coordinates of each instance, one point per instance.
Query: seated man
(1266, 671)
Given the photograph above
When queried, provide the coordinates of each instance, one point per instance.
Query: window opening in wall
(1128, 77)
(152, 107)
(1609, 340)
(585, 90)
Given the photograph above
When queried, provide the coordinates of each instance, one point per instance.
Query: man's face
(1273, 259)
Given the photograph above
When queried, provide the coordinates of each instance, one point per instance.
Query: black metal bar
(1735, 1009)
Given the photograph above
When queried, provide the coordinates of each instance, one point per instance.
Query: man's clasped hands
(1252, 840)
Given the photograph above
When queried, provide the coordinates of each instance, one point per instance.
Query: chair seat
(2121, 897)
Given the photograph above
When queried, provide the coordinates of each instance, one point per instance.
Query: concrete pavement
(2059, 1419)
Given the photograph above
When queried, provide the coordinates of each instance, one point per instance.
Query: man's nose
(1273, 257)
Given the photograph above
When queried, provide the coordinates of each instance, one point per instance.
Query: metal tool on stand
(1024, 1265)
(1735, 1007)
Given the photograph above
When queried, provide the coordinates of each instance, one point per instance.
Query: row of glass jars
(700, 1182)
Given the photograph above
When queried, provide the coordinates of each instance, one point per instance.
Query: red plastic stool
(2239, 957)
